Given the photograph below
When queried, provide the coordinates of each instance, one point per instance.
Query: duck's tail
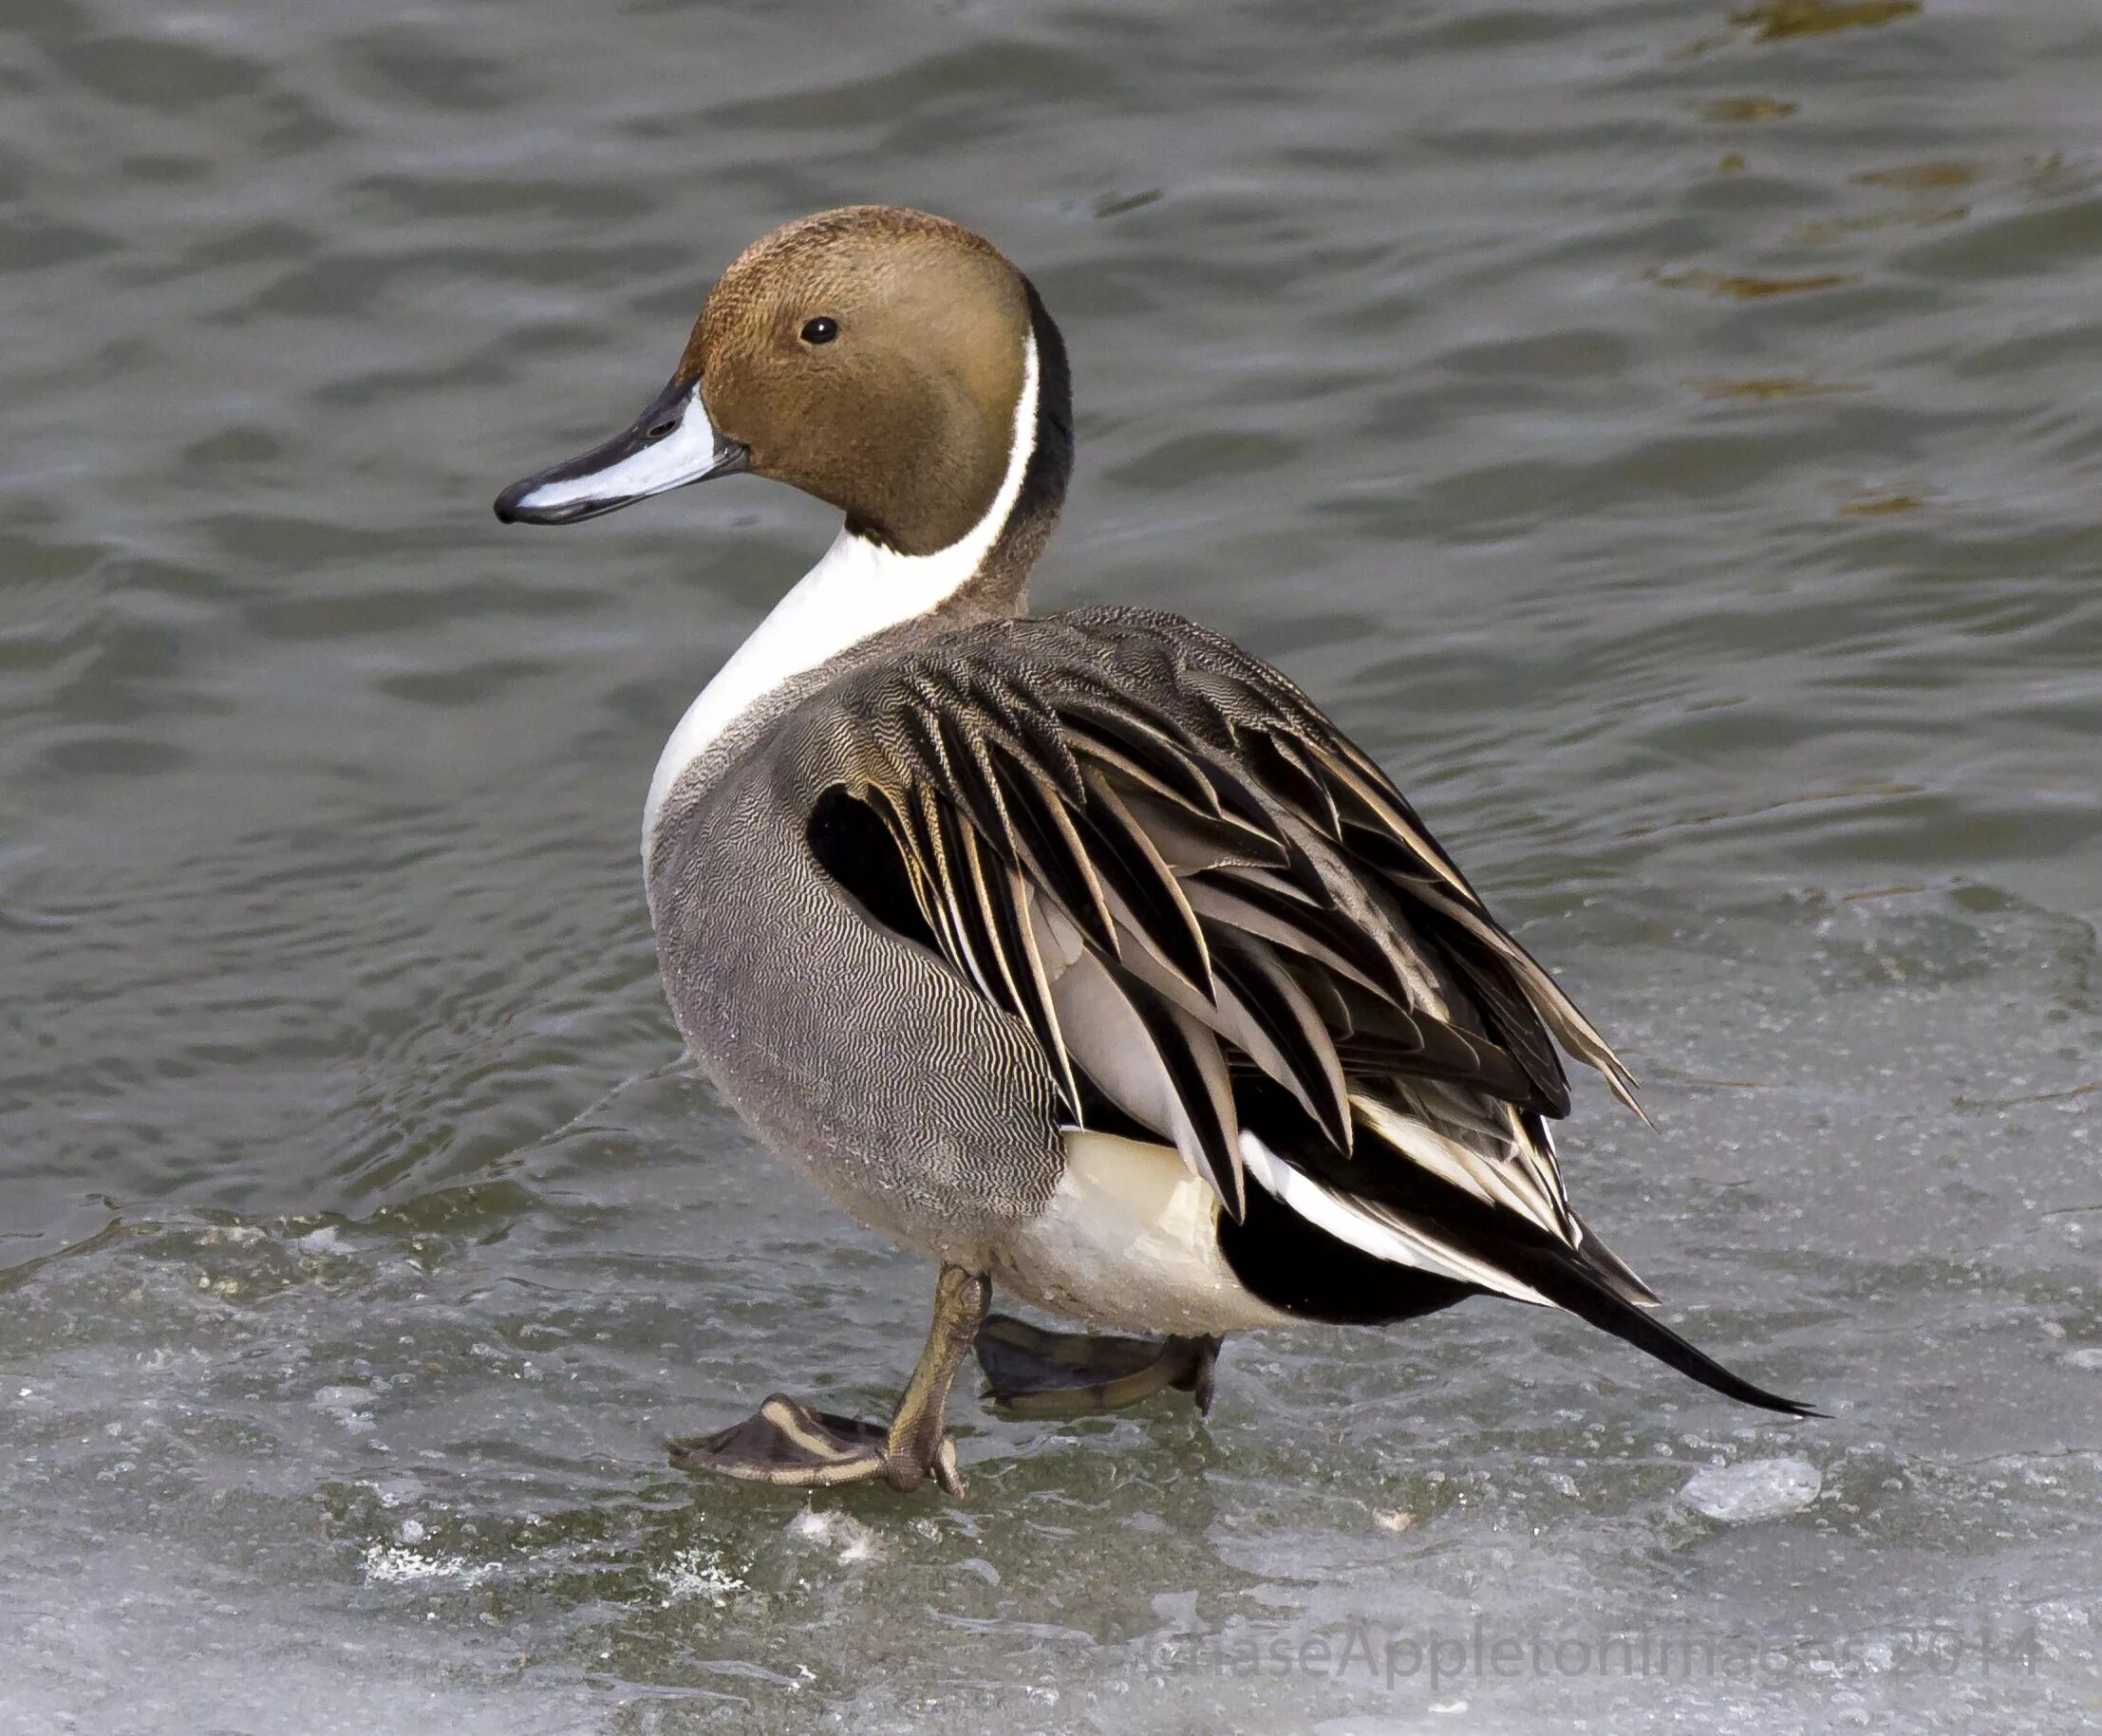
(1571, 1282)
(1417, 1221)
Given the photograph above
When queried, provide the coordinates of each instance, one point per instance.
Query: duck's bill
(668, 446)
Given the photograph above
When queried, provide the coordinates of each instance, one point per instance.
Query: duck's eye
(820, 330)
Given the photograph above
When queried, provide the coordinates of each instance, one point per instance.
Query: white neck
(858, 590)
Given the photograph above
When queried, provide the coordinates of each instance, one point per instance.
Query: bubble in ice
(698, 1573)
(1760, 1488)
(840, 1532)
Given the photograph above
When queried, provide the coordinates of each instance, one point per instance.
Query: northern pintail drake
(1079, 953)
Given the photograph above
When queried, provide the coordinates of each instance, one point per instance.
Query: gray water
(1668, 438)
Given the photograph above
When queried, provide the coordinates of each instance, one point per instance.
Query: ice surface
(1760, 1488)
(1500, 1511)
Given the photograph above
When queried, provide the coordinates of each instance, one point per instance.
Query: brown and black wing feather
(1221, 922)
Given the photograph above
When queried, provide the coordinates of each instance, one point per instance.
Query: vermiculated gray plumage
(1151, 873)
(1081, 953)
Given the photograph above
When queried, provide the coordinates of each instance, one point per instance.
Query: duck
(1080, 954)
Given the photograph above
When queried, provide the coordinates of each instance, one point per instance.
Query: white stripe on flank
(1372, 1229)
(858, 589)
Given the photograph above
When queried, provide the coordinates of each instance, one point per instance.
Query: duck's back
(1097, 868)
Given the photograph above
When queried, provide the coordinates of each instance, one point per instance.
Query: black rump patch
(1295, 1265)
(1292, 1265)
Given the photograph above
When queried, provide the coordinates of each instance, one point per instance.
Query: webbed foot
(785, 1442)
(1035, 1373)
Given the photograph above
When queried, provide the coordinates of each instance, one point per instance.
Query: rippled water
(1668, 438)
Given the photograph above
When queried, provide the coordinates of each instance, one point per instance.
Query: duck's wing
(1155, 852)
(1222, 922)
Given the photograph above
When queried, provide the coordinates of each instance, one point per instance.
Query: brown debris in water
(1737, 111)
(1874, 505)
(1779, 19)
(1768, 390)
(1751, 288)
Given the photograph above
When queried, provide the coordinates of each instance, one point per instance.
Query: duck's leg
(786, 1442)
(1034, 1372)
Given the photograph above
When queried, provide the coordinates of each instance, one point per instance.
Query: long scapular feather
(1126, 858)
(1053, 851)
(1144, 749)
(1288, 1023)
(1575, 1032)
(1158, 856)
(1189, 841)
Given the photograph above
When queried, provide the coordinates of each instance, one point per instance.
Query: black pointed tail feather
(1303, 1270)
(1614, 1272)
(1563, 1280)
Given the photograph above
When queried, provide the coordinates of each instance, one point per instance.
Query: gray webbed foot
(1035, 1373)
(787, 1442)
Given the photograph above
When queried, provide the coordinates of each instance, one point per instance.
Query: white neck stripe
(856, 591)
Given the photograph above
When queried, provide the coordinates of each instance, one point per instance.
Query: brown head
(877, 358)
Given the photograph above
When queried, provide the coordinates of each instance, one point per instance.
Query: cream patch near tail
(1131, 1241)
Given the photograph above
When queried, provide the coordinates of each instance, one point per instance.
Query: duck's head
(888, 362)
